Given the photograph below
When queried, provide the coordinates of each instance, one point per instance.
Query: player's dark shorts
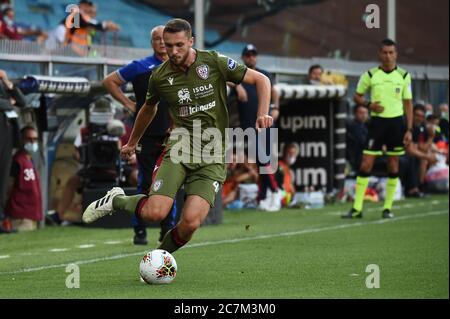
(203, 180)
(385, 131)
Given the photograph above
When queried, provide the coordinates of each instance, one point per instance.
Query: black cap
(249, 48)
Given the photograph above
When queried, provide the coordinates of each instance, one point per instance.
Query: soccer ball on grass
(158, 267)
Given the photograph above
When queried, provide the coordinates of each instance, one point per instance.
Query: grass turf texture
(288, 254)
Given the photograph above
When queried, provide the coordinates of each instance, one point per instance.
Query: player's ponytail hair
(178, 25)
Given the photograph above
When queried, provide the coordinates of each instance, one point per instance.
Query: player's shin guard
(391, 186)
(130, 204)
(172, 241)
(361, 185)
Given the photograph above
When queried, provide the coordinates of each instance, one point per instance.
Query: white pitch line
(231, 241)
(113, 242)
(85, 246)
(4, 256)
(58, 250)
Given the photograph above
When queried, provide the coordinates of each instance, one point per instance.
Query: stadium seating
(135, 18)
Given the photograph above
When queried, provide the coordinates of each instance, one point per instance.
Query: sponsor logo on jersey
(203, 71)
(187, 110)
(170, 79)
(157, 185)
(202, 88)
(184, 110)
(231, 64)
(397, 90)
(184, 96)
(203, 91)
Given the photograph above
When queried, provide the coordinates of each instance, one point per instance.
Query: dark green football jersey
(197, 103)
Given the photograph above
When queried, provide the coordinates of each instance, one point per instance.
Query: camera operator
(97, 149)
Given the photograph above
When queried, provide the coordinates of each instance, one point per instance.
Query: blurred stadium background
(290, 35)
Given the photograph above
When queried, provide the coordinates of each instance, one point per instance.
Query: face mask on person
(444, 115)
(291, 160)
(8, 21)
(314, 82)
(31, 147)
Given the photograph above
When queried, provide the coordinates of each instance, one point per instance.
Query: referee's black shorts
(385, 131)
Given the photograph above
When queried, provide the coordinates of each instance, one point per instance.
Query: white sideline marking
(113, 242)
(58, 250)
(85, 246)
(231, 241)
(4, 256)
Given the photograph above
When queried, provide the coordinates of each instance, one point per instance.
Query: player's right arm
(112, 84)
(143, 119)
(263, 90)
(361, 89)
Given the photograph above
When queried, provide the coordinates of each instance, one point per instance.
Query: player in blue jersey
(138, 73)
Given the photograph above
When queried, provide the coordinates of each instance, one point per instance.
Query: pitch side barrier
(313, 117)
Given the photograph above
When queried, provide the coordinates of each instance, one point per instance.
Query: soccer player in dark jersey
(391, 99)
(193, 82)
(150, 147)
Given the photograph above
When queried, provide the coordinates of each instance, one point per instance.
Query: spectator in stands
(429, 109)
(79, 38)
(284, 173)
(10, 96)
(4, 4)
(237, 173)
(247, 109)
(443, 122)
(24, 206)
(432, 123)
(11, 30)
(435, 176)
(315, 76)
(418, 154)
(356, 136)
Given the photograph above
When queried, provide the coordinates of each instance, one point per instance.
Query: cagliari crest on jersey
(203, 71)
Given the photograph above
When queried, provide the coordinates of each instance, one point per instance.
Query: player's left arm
(144, 117)
(263, 91)
(408, 109)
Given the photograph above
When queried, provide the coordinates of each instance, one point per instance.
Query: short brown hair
(178, 25)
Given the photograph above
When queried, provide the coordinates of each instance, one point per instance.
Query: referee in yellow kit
(390, 100)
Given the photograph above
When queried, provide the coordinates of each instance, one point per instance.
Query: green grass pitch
(294, 253)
